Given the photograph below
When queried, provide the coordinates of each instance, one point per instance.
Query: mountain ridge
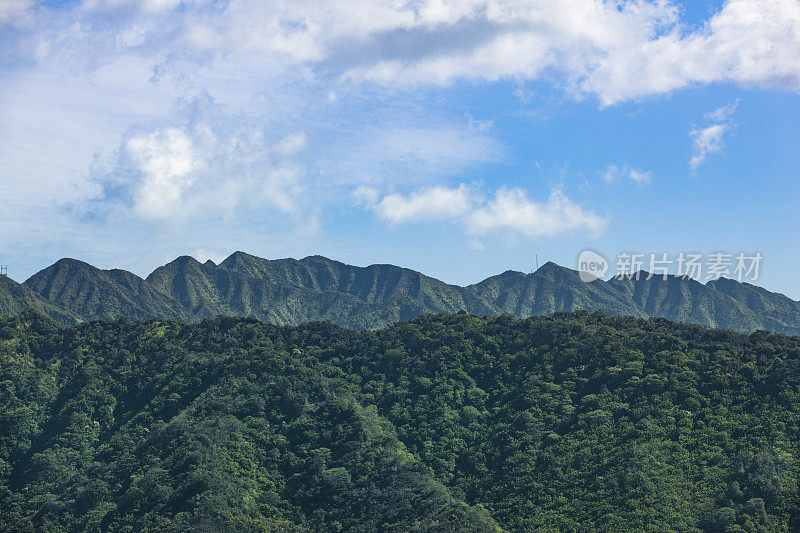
(292, 291)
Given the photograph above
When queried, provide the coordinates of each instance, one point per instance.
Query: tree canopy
(573, 422)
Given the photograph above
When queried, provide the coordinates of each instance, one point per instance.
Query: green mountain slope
(550, 289)
(16, 298)
(95, 294)
(291, 292)
(573, 422)
(775, 311)
(171, 430)
(686, 300)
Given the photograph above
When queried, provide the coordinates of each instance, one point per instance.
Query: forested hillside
(15, 298)
(574, 422)
(96, 294)
(293, 292)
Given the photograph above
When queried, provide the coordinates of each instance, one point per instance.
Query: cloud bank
(508, 211)
(612, 51)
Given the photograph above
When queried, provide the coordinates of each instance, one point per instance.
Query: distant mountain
(552, 288)
(777, 312)
(95, 294)
(686, 300)
(291, 292)
(288, 291)
(16, 298)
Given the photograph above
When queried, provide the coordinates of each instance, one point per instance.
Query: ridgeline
(292, 292)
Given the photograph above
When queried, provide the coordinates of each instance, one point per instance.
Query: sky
(458, 138)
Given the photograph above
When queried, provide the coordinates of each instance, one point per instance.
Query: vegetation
(93, 294)
(291, 292)
(573, 422)
(16, 298)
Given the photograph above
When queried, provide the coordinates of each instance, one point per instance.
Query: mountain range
(291, 291)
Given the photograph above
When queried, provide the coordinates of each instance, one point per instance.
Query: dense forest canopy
(450, 422)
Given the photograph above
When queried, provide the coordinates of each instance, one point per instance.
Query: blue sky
(461, 139)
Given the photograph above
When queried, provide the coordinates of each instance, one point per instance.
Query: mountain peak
(239, 258)
(181, 262)
(183, 259)
(316, 258)
(551, 270)
(68, 262)
(65, 267)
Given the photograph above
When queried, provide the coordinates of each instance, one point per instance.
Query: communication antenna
(3, 270)
(537, 265)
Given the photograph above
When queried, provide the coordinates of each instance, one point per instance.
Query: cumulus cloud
(613, 51)
(747, 42)
(432, 203)
(209, 165)
(709, 139)
(508, 211)
(97, 68)
(165, 159)
(511, 210)
(614, 173)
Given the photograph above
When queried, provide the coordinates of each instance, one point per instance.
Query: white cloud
(10, 9)
(710, 139)
(640, 177)
(292, 144)
(721, 114)
(432, 203)
(511, 210)
(366, 196)
(707, 141)
(747, 42)
(614, 173)
(616, 51)
(507, 211)
(83, 75)
(165, 160)
(211, 165)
